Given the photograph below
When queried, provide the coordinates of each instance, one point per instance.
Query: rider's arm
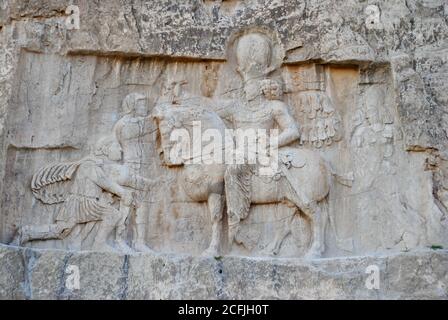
(223, 107)
(138, 182)
(288, 126)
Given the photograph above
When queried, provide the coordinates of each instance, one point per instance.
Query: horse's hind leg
(216, 207)
(281, 232)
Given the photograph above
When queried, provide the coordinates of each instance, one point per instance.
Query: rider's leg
(237, 186)
(234, 224)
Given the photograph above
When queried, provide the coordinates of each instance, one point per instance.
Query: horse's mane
(186, 114)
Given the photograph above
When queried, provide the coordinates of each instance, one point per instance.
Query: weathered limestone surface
(412, 35)
(360, 92)
(41, 274)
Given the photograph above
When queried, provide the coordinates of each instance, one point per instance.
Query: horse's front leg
(216, 208)
(318, 224)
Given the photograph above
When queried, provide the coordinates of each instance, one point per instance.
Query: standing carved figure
(373, 138)
(131, 130)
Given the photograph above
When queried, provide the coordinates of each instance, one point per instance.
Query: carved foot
(16, 241)
(20, 237)
(142, 247)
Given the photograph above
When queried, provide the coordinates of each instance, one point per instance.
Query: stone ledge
(42, 274)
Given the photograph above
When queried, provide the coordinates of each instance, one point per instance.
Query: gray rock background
(43, 274)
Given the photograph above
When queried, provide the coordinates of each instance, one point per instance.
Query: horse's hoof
(210, 253)
(141, 247)
(270, 252)
(124, 247)
(312, 256)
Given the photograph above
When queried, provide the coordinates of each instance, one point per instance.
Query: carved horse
(205, 182)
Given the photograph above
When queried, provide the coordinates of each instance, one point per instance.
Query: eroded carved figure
(131, 130)
(373, 136)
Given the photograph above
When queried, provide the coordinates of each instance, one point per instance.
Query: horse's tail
(344, 244)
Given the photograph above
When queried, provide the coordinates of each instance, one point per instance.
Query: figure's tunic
(84, 202)
(260, 118)
(130, 132)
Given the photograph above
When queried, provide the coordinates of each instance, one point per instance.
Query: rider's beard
(252, 89)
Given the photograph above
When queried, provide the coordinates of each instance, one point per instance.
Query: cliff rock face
(91, 96)
(42, 274)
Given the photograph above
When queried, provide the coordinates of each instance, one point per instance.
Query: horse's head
(184, 127)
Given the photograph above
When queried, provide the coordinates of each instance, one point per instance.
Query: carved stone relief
(95, 190)
(114, 184)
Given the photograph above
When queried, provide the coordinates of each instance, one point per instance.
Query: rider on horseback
(262, 109)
